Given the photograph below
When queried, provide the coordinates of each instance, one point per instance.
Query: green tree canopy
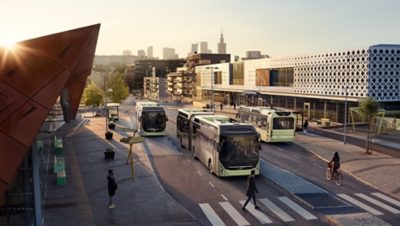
(119, 89)
(92, 95)
(368, 109)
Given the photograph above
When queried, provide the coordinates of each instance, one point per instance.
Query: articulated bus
(225, 146)
(273, 125)
(151, 119)
(182, 123)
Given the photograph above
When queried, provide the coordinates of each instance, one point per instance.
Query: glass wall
(282, 76)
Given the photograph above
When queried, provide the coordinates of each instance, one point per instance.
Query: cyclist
(336, 164)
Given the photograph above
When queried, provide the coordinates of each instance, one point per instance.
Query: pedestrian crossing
(285, 210)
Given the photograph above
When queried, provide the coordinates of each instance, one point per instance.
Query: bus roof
(265, 110)
(147, 103)
(190, 111)
(217, 120)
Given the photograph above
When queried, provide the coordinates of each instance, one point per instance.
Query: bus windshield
(283, 123)
(238, 151)
(154, 121)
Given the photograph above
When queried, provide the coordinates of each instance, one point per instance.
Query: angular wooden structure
(32, 76)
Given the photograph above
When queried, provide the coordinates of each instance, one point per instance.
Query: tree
(92, 95)
(119, 89)
(368, 109)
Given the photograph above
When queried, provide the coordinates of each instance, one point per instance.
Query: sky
(274, 27)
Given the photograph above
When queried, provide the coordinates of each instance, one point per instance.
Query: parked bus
(273, 125)
(225, 146)
(182, 123)
(151, 119)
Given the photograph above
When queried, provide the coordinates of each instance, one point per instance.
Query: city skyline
(276, 28)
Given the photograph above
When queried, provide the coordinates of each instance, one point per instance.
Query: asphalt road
(189, 182)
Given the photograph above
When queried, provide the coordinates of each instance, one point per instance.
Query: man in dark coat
(112, 187)
(251, 190)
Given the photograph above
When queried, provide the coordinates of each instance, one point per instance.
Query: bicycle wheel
(339, 179)
(328, 173)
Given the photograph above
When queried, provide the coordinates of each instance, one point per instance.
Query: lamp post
(212, 86)
(345, 115)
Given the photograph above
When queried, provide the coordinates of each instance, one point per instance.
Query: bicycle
(338, 177)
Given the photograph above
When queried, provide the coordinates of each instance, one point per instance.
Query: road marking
(387, 198)
(239, 219)
(378, 203)
(360, 204)
(223, 196)
(276, 210)
(211, 215)
(198, 171)
(300, 210)
(211, 184)
(256, 213)
(315, 164)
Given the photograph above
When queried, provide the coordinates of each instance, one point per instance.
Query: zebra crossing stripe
(211, 215)
(378, 203)
(239, 219)
(256, 213)
(276, 210)
(360, 204)
(300, 210)
(386, 198)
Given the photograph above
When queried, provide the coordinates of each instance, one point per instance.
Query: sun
(7, 43)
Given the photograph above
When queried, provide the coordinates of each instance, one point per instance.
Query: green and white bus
(151, 119)
(273, 125)
(225, 146)
(182, 123)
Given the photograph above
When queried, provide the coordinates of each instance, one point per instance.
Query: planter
(109, 135)
(111, 126)
(109, 154)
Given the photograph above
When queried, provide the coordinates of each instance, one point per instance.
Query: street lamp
(212, 86)
(345, 89)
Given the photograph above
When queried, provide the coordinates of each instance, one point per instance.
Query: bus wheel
(210, 166)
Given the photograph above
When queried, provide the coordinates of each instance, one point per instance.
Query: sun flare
(7, 43)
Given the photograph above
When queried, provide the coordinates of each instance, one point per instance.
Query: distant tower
(195, 47)
(141, 54)
(204, 47)
(150, 52)
(221, 44)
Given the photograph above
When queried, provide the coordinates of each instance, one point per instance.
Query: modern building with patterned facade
(317, 84)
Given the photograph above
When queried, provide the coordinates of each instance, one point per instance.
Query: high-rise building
(150, 52)
(221, 44)
(141, 54)
(169, 54)
(253, 55)
(195, 48)
(204, 47)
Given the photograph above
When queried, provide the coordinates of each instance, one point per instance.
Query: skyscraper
(195, 48)
(221, 44)
(141, 54)
(150, 52)
(204, 47)
(169, 53)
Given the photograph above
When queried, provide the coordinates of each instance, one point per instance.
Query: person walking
(251, 190)
(305, 126)
(221, 105)
(112, 187)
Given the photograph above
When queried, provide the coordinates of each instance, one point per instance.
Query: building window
(262, 77)
(281, 76)
(218, 77)
(238, 73)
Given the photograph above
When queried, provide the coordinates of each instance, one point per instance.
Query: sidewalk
(83, 200)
